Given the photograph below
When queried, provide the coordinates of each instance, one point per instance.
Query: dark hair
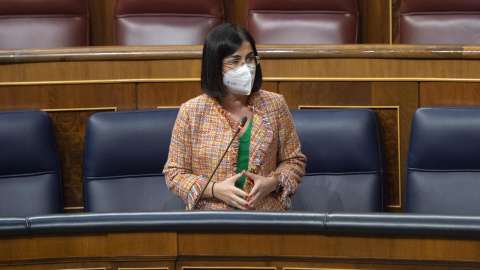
(222, 41)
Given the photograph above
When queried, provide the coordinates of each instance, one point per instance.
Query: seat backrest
(439, 22)
(43, 24)
(345, 168)
(30, 182)
(125, 153)
(165, 22)
(303, 21)
(443, 167)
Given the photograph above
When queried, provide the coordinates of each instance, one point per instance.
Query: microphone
(239, 127)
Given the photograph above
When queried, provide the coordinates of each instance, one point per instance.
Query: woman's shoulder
(267, 98)
(269, 94)
(198, 101)
(196, 104)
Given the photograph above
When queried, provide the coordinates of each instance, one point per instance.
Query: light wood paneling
(99, 72)
(449, 94)
(325, 93)
(172, 250)
(54, 247)
(152, 95)
(306, 247)
(143, 244)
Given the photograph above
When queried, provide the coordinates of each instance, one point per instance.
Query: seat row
(59, 23)
(125, 152)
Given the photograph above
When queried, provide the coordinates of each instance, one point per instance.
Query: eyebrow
(238, 56)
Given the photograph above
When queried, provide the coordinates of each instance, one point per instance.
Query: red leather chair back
(165, 22)
(303, 21)
(440, 22)
(43, 23)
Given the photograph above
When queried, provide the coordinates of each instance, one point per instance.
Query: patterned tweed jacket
(202, 132)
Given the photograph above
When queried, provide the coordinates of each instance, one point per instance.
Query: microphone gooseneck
(239, 127)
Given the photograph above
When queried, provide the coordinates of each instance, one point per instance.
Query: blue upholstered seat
(30, 182)
(125, 153)
(345, 168)
(443, 168)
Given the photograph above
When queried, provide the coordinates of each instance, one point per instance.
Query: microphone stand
(240, 126)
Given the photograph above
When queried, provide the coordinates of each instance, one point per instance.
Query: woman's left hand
(261, 188)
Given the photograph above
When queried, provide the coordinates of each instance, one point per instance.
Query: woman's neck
(234, 104)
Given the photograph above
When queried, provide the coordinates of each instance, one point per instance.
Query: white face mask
(240, 80)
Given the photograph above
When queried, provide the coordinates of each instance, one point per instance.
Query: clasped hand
(230, 194)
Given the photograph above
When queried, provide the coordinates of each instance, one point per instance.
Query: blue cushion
(344, 161)
(30, 182)
(125, 153)
(443, 167)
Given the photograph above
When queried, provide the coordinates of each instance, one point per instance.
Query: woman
(264, 165)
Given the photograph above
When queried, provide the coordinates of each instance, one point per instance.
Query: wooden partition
(394, 80)
(248, 251)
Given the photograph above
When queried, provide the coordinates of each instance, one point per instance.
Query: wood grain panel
(153, 95)
(317, 247)
(121, 96)
(375, 21)
(369, 69)
(206, 250)
(101, 22)
(100, 71)
(92, 264)
(391, 141)
(449, 94)
(54, 247)
(236, 12)
(160, 244)
(241, 13)
(270, 86)
(405, 96)
(395, 21)
(229, 11)
(325, 93)
(69, 129)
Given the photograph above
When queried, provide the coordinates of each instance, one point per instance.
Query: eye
(250, 60)
(232, 62)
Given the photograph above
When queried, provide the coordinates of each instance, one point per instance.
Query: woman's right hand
(229, 193)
